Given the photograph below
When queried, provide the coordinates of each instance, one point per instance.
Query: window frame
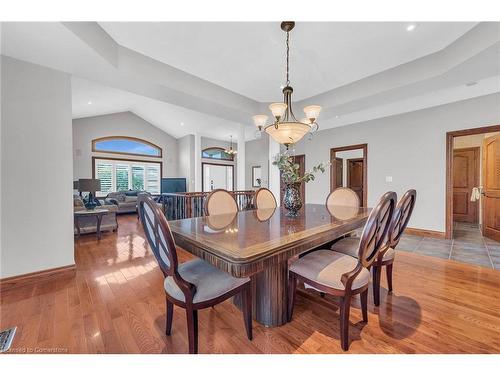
(122, 137)
(126, 161)
(230, 157)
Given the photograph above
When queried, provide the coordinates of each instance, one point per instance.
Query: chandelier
(286, 129)
(230, 150)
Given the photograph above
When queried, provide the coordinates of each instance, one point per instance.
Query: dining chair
(192, 285)
(399, 221)
(343, 196)
(342, 275)
(264, 198)
(220, 201)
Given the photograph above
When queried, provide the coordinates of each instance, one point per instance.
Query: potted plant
(290, 175)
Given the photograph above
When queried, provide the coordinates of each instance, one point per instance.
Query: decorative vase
(90, 204)
(292, 200)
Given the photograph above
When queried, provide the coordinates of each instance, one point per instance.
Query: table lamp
(90, 185)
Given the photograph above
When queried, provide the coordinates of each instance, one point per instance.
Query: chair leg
(246, 298)
(292, 286)
(345, 307)
(192, 324)
(170, 314)
(376, 285)
(388, 270)
(364, 305)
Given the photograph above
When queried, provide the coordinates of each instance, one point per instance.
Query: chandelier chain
(287, 58)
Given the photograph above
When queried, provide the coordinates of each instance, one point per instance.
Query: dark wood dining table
(260, 244)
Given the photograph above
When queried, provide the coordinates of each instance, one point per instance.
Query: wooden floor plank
(116, 304)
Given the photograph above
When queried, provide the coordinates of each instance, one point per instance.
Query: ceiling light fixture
(286, 129)
(89, 102)
(411, 27)
(230, 150)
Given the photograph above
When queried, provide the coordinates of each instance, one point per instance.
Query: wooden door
(491, 187)
(301, 161)
(338, 173)
(355, 176)
(465, 177)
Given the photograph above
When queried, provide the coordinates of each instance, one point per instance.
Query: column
(274, 172)
(197, 163)
(240, 159)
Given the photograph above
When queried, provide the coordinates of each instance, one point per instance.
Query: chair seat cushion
(210, 281)
(326, 267)
(349, 246)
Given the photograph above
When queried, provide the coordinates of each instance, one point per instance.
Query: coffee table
(98, 213)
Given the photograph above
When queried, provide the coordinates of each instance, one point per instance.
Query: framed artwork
(256, 176)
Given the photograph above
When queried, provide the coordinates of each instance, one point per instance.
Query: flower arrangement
(290, 171)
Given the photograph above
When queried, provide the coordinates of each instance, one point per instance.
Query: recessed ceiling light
(182, 124)
(282, 87)
(89, 102)
(336, 116)
(411, 27)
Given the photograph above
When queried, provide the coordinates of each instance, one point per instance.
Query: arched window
(217, 153)
(126, 146)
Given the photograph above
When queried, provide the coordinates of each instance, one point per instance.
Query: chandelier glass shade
(286, 129)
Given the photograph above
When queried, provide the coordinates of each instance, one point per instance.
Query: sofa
(89, 224)
(125, 201)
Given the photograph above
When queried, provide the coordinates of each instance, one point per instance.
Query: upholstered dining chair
(219, 202)
(342, 275)
(192, 285)
(387, 254)
(264, 198)
(343, 196)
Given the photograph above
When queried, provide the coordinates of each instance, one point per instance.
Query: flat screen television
(173, 185)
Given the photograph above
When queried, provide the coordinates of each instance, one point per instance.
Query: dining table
(261, 243)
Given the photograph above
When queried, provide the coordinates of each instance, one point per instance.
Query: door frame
(220, 164)
(449, 170)
(477, 176)
(361, 146)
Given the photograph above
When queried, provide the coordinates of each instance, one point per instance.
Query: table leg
(269, 295)
(98, 229)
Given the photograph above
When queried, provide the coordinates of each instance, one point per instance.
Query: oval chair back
(220, 202)
(343, 196)
(161, 242)
(264, 198)
(401, 217)
(376, 228)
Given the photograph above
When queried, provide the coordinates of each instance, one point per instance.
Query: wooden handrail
(190, 204)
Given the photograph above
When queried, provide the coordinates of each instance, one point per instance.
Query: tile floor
(467, 246)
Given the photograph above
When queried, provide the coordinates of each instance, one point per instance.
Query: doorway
(301, 161)
(473, 183)
(349, 168)
(217, 176)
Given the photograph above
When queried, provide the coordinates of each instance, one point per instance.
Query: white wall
(36, 193)
(410, 147)
(257, 154)
(126, 124)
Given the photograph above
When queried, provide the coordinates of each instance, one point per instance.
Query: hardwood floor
(116, 304)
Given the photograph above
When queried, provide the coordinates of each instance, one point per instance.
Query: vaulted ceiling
(212, 77)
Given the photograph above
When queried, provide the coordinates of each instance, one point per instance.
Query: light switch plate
(388, 178)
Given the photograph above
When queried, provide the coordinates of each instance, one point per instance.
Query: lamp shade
(312, 111)
(89, 184)
(278, 109)
(260, 120)
(75, 185)
(288, 133)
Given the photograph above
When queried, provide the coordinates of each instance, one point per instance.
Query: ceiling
(249, 57)
(212, 77)
(93, 99)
